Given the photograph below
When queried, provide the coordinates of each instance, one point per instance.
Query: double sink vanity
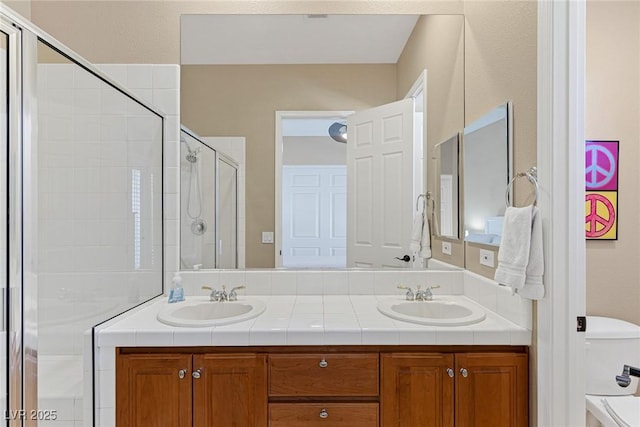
(458, 357)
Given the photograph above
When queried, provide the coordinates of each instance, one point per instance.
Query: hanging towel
(425, 241)
(416, 232)
(520, 257)
(420, 236)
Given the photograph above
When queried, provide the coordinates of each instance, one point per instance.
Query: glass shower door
(227, 218)
(4, 144)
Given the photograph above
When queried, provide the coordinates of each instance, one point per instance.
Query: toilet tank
(610, 344)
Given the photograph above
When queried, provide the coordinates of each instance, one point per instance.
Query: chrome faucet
(233, 296)
(215, 295)
(425, 295)
(625, 379)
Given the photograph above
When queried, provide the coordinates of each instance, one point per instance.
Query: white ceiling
(294, 39)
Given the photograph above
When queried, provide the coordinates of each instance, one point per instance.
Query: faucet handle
(233, 296)
(409, 295)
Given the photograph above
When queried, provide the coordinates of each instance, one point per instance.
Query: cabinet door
(153, 390)
(416, 390)
(493, 391)
(231, 390)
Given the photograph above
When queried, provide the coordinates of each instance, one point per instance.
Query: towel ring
(425, 199)
(532, 176)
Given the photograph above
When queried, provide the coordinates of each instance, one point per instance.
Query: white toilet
(611, 344)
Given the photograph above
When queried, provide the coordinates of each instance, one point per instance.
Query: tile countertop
(309, 320)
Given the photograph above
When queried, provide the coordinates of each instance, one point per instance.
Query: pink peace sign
(598, 226)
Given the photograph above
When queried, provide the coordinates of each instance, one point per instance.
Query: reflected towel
(425, 241)
(520, 257)
(420, 236)
(416, 232)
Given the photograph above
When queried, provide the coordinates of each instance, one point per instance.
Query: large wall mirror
(487, 166)
(446, 159)
(238, 71)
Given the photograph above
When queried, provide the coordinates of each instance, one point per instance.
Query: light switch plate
(446, 248)
(486, 258)
(267, 237)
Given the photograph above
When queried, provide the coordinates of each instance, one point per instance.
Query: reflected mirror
(487, 170)
(238, 71)
(446, 159)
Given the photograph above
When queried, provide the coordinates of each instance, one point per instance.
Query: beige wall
(437, 45)
(228, 100)
(500, 66)
(23, 7)
(613, 113)
(313, 150)
(148, 31)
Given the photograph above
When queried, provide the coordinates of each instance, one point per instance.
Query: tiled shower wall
(159, 84)
(91, 139)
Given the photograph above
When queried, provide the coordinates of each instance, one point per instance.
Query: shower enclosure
(208, 205)
(82, 185)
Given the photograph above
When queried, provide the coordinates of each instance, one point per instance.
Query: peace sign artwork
(601, 199)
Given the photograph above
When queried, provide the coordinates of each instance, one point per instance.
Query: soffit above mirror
(319, 39)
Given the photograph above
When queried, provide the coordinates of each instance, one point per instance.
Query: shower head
(338, 131)
(192, 155)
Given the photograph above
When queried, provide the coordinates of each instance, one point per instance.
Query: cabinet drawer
(323, 375)
(323, 415)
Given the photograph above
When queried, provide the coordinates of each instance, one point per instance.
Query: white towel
(416, 232)
(420, 236)
(520, 257)
(425, 241)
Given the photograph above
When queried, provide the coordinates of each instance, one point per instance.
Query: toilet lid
(625, 410)
(608, 328)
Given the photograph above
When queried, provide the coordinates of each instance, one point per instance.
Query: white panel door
(380, 175)
(314, 215)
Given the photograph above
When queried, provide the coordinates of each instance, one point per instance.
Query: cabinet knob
(324, 413)
(196, 374)
(182, 373)
(450, 372)
(323, 363)
(464, 372)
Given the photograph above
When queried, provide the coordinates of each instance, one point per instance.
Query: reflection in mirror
(208, 206)
(245, 68)
(486, 174)
(446, 156)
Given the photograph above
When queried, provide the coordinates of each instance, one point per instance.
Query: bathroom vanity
(323, 360)
(355, 386)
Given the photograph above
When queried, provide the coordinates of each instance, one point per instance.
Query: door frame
(279, 147)
(559, 355)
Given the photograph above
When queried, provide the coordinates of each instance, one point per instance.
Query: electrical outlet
(486, 258)
(267, 237)
(446, 248)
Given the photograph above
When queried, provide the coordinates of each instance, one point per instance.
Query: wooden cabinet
(372, 386)
(184, 390)
(491, 390)
(343, 387)
(323, 414)
(231, 390)
(343, 374)
(153, 390)
(416, 390)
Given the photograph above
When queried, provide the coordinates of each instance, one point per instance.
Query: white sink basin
(200, 312)
(441, 311)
